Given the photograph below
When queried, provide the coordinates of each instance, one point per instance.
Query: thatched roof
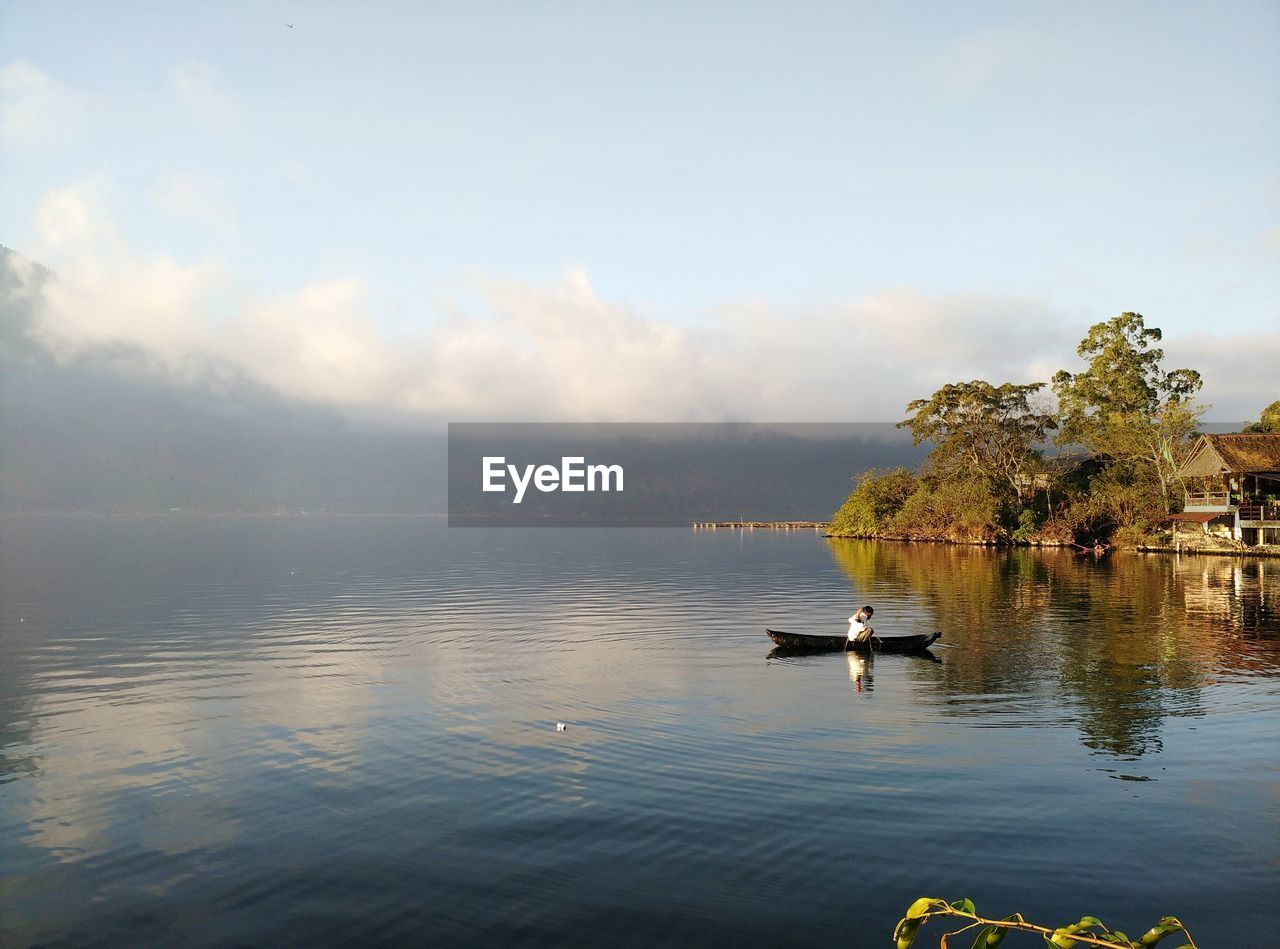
(1235, 453)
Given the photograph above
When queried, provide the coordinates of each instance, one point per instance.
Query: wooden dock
(762, 525)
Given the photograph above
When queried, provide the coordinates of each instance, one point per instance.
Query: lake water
(318, 731)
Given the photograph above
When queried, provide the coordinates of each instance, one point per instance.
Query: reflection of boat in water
(810, 642)
(787, 652)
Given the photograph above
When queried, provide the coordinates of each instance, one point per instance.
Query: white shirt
(856, 626)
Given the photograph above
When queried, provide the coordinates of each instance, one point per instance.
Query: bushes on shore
(874, 502)
(899, 504)
(965, 510)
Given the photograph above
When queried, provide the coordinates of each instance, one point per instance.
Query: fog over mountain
(111, 425)
(108, 430)
(104, 432)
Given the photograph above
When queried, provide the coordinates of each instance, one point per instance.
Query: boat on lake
(816, 642)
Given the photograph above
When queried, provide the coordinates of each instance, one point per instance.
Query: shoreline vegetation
(1122, 428)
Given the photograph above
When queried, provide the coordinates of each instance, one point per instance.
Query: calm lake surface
(319, 731)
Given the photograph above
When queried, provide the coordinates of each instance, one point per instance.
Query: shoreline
(1261, 551)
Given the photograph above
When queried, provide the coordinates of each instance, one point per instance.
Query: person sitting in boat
(859, 625)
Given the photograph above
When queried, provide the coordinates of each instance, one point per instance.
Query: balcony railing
(1267, 511)
(1213, 500)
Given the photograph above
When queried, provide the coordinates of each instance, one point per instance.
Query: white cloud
(196, 196)
(296, 173)
(199, 87)
(1263, 246)
(1239, 371)
(561, 350)
(967, 64)
(35, 110)
(1271, 241)
(74, 221)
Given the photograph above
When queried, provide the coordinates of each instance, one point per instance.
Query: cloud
(105, 293)
(559, 349)
(1239, 370)
(296, 173)
(198, 86)
(1261, 246)
(74, 219)
(1271, 241)
(196, 196)
(967, 64)
(35, 110)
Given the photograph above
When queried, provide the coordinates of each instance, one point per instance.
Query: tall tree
(1125, 405)
(978, 428)
(1269, 423)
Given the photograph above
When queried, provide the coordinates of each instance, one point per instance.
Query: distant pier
(762, 525)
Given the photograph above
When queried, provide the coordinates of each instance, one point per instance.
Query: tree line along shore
(1118, 461)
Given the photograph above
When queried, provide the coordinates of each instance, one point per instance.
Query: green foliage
(1268, 423)
(1028, 524)
(898, 504)
(981, 430)
(872, 504)
(1125, 405)
(1088, 931)
(1124, 378)
(961, 510)
(905, 932)
(1122, 502)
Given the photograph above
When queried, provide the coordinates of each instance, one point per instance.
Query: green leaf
(904, 934)
(1167, 926)
(924, 905)
(964, 906)
(980, 940)
(992, 936)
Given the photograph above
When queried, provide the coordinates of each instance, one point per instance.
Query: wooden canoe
(820, 643)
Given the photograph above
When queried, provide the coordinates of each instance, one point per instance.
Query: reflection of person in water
(859, 671)
(859, 625)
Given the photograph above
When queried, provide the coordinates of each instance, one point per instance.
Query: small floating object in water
(561, 726)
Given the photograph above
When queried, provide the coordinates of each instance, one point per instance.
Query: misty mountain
(105, 434)
(108, 432)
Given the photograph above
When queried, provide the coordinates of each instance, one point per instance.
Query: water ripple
(321, 731)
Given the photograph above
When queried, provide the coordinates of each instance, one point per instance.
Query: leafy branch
(1089, 931)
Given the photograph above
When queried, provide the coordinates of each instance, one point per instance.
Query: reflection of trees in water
(1116, 639)
(986, 601)
(952, 578)
(1124, 658)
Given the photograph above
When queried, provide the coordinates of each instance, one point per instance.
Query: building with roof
(1233, 488)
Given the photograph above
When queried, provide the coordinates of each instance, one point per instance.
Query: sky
(799, 211)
